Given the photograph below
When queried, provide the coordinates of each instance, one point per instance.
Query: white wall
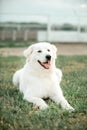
(62, 36)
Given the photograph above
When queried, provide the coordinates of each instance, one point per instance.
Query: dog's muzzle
(46, 64)
(48, 57)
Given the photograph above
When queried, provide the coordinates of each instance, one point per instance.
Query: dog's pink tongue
(47, 65)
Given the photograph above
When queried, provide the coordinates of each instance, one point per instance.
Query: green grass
(17, 114)
(14, 44)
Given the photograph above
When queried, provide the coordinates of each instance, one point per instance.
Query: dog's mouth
(46, 64)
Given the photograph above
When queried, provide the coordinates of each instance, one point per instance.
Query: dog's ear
(28, 51)
(54, 50)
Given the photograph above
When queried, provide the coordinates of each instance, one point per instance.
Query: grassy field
(17, 114)
(14, 44)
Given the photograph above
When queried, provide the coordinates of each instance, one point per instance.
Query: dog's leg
(59, 74)
(63, 102)
(60, 99)
(37, 101)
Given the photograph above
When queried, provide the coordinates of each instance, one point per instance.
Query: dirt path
(63, 49)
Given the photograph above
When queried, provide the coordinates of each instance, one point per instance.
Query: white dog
(39, 78)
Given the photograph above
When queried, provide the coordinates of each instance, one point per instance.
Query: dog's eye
(39, 51)
(48, 50)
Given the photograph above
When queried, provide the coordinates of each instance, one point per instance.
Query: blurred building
(56, 21)
(10, 31)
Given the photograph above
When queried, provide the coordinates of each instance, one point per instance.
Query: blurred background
(57, 21)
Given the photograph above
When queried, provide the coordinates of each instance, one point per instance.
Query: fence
(46, 31)
(40, 35)
(17, 35)
(63, 36)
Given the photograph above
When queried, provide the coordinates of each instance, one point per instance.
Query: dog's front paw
(43, 107)
(68, 107)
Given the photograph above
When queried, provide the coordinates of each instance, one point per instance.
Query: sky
(57, 11)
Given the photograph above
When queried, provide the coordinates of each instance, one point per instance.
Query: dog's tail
(16, 78)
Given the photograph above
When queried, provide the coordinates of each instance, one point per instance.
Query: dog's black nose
(48, 57)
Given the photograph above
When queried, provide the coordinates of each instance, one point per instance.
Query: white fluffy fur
(37, 82)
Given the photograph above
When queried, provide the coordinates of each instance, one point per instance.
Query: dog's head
(42, 55)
